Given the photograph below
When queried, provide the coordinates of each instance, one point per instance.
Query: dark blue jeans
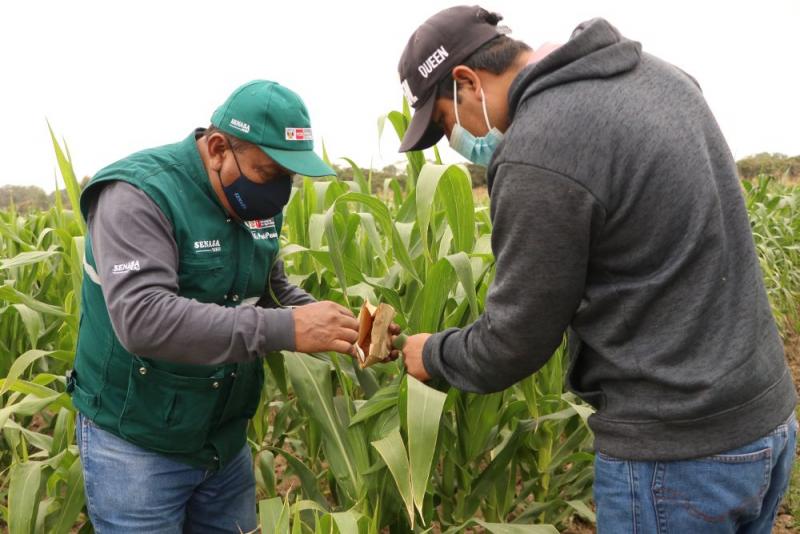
(130, 489)
(737, 491)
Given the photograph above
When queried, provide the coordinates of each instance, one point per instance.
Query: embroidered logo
(240, 125)
(433, 61)
(122, 268)
(212, 245)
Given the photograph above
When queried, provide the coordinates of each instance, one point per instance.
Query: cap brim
(304, 162)
(422, 132)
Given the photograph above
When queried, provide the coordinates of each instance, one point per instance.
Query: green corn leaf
(334, 232)
(384, 399)
(381, 213)
(70, 180)
(43, 442)
(20, 364)
(368, 224)
(274, 516)
(347, 522)
(424, 405)
(303, 505)
(463, 269)
(29, 406)
(278, 369)
(497, 467)
(455, 191)
(73, 499)
(38, 390)
(507, 528)
(23, 496)
(12, 295)
(583, 510)
(430, 304)
(359, 177)
(265, 472)
(28, 258)
(311, 381)
(63, 432)
(393, 451)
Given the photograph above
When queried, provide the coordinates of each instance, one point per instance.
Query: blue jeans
(735, 491)
(130, 489)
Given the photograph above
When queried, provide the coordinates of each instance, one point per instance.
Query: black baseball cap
(439, 44)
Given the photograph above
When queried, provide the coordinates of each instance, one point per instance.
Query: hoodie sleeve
(542, 226)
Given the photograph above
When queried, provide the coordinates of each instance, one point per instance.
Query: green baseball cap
(273, 117)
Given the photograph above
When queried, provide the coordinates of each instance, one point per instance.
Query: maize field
(338, 448)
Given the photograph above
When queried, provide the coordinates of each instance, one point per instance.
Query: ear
(217, 145)
(467, 79)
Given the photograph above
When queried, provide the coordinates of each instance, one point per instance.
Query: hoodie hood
(595, 49)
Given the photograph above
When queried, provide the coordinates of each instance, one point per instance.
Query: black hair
(495, 56)
(236, 144)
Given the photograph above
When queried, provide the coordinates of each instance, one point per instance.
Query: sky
(116, 77)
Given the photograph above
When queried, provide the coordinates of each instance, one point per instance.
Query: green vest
(197, 414)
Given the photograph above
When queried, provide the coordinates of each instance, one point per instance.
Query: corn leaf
(393, 451)
(424, 405)
(23, 496)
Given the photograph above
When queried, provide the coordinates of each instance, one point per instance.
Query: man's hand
(394, 330)
(412, 356)
(324, 326)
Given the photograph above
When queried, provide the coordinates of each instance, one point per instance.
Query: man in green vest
(183, 296)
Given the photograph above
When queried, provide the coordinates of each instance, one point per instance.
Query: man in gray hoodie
(617, 215)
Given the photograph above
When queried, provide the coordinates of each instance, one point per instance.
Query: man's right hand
(324, 326)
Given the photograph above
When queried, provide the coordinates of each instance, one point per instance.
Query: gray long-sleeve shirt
(147, 314)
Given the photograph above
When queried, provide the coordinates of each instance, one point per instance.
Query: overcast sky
(116, 77)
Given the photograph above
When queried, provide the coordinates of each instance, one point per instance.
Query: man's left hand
(412, 356)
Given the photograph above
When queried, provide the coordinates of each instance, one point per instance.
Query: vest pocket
(166, 412)
(205, 279)
(245, 391)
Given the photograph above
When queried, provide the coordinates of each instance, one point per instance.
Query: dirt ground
(786, 522)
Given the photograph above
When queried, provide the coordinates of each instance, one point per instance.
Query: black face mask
(253, 201)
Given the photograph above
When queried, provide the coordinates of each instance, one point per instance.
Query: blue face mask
(254, 201)
(478, 150)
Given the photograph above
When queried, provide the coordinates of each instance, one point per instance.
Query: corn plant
(774, 210)
(386, 447)
(40, 279)
(337, 448)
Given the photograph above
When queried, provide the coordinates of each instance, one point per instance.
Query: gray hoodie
(618, 215)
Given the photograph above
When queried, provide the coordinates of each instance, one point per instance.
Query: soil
(786, 523)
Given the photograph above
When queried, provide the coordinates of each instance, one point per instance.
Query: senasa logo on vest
(262, 229)
(212, 245)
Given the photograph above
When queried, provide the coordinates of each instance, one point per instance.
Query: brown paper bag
(374, 339)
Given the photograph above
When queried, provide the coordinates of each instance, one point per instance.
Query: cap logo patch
(409, 95)
(299, 134)
(433, 61)
(241, 126)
